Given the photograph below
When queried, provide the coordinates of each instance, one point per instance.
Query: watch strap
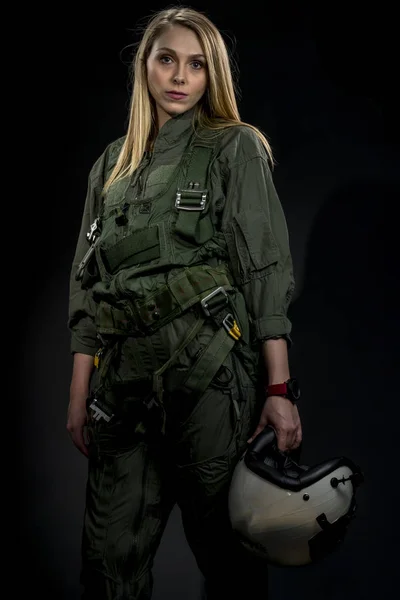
(277, 389)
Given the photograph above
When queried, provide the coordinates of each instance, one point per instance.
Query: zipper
(147, 162)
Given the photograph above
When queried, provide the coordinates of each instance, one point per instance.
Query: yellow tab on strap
(96, 360)
(231, 327)
(235, 331)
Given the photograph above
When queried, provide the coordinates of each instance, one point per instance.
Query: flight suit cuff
(275, 326)
(81, 347)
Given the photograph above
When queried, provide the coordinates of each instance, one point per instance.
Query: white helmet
(291, 515)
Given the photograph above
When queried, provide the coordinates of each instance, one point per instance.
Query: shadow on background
(345, 353)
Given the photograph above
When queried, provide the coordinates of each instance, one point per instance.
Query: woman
(178, 305)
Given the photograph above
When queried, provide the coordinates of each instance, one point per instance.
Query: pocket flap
(259, 238)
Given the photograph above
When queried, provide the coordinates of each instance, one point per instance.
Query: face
(176, 64)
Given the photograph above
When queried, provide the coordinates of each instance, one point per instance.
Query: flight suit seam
(241, 163)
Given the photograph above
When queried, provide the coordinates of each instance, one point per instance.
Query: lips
(176, 95)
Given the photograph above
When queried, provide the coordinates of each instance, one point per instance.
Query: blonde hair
(216, 110)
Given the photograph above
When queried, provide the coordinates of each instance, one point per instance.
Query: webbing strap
(138, 247)
(191, 201)
(207, 364)
(156, 310)
(197, 169)
(158, 387)
(183, 291)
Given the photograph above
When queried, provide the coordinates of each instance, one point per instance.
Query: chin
(173, 112)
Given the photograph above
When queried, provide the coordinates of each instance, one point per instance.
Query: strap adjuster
(192, 199)
(228, 322)
(204, 302)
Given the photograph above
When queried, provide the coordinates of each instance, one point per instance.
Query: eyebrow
(165, 49)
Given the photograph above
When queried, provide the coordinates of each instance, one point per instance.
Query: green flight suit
(154, 262)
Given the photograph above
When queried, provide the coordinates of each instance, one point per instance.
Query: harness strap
(207, 365)
(198, 378)
(158, 387)
(191, 201)
(147, 315)
(218, 307)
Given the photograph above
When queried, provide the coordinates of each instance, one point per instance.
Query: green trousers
(136, 477)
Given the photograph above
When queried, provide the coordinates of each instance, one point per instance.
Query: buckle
(231, 327)
(99, 412)
(228, 322)
(94, 231)
(193, 200)
(204, 302)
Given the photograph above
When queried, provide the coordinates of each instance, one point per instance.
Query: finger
(255, 434)
(299, 437)
(294, 439)
(282, 440)
(291, 437)
(82, 448)
(78, 440)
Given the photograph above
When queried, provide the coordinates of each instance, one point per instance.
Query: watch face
(294, 388)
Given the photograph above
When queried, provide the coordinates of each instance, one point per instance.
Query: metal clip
(85, 260)
(92, 237)
(99, 413)
(231, 327)
(93, 231)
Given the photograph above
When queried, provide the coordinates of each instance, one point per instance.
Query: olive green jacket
(245, 206)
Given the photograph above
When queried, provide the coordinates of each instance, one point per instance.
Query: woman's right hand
(77, 420)
(79, 391)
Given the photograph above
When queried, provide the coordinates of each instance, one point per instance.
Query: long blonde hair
(216, 110)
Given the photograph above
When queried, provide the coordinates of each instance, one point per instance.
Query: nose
(179, 77)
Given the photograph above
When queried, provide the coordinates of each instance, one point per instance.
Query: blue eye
(196, 64)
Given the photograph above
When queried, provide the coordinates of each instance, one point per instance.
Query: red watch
(289, 389)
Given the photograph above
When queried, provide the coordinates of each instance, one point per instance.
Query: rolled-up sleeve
(82, 308)
(255, 229)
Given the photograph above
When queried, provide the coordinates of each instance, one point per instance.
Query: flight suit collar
(174, 129)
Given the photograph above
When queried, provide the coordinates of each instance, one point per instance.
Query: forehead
(180, 39)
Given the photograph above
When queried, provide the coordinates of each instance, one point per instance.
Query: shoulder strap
(192, 196)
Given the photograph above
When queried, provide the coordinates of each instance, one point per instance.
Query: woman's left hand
(283, 416)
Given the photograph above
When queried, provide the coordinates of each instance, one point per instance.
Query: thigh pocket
(119, 434)
(212, 428)
(214, 438)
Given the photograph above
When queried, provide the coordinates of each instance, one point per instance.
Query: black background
(320, 80)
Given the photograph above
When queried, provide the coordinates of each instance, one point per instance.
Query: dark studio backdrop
(320, 82)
